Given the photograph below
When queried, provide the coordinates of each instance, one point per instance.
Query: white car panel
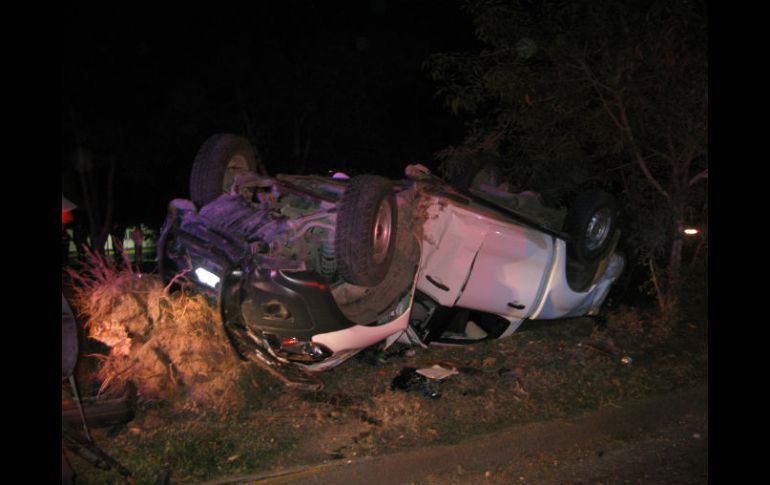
(451, 239)
(507, 275)
(561, 301)
(360, 336)
(486, 263)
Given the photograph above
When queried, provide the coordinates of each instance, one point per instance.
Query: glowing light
(288, 342)
(691, 231)
(207, 277)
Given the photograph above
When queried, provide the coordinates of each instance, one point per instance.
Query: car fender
(561, 301)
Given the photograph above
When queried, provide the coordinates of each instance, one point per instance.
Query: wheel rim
(598, 229)
(381, 232)
(237, 164)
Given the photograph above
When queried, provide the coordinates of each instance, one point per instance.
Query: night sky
(147, 86)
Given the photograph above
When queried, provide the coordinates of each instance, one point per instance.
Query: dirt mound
(172, 347)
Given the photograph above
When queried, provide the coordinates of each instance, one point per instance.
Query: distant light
(691, 231)
(207, 277)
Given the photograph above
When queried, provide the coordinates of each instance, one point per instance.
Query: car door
(509, 271)
(451, 240)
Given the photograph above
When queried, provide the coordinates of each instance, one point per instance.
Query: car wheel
(474, 177)
(365, 236)
(590, 223)
(219, 160)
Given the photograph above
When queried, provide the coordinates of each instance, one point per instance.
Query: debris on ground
(609, 351)
(437, 372)
(410, 380)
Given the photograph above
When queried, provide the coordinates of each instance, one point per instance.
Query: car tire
(472, 177)
(365, 236)
(216, 164)
(590, 224)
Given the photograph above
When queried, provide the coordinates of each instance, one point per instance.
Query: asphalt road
(662, 440)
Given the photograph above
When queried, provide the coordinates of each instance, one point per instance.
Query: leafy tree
(568, 93)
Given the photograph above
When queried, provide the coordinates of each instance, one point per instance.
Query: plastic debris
(409, 380)
(626, 360)
(437, 372)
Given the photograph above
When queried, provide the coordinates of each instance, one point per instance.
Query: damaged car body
(309, 270)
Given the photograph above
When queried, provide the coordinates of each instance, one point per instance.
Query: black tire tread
(356, 214)
(210, 164)
(580, 213)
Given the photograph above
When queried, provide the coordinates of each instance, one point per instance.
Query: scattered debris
(410, 380)
(609, 351)
(437, 372)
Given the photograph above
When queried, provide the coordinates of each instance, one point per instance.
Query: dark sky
(147, 85)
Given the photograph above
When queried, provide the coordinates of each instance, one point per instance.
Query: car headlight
(207, 277)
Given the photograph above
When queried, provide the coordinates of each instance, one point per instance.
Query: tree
(656, 96)
(599, 91)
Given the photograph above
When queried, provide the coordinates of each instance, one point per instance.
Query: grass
(545, 371)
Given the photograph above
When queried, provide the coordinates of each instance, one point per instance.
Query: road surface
(662, 440)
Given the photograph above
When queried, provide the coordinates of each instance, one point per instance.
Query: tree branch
(658, 153)
(702, 175)
(598, 86)
(637, 153)
(621, 121)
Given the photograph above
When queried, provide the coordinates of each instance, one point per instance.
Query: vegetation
(168, 345)
(546, 371)
(566, 95)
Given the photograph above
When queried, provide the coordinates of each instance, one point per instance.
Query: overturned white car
(309, 270)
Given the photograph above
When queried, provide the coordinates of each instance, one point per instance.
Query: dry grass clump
(398, 411)
(638, 323)
(171, 346)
